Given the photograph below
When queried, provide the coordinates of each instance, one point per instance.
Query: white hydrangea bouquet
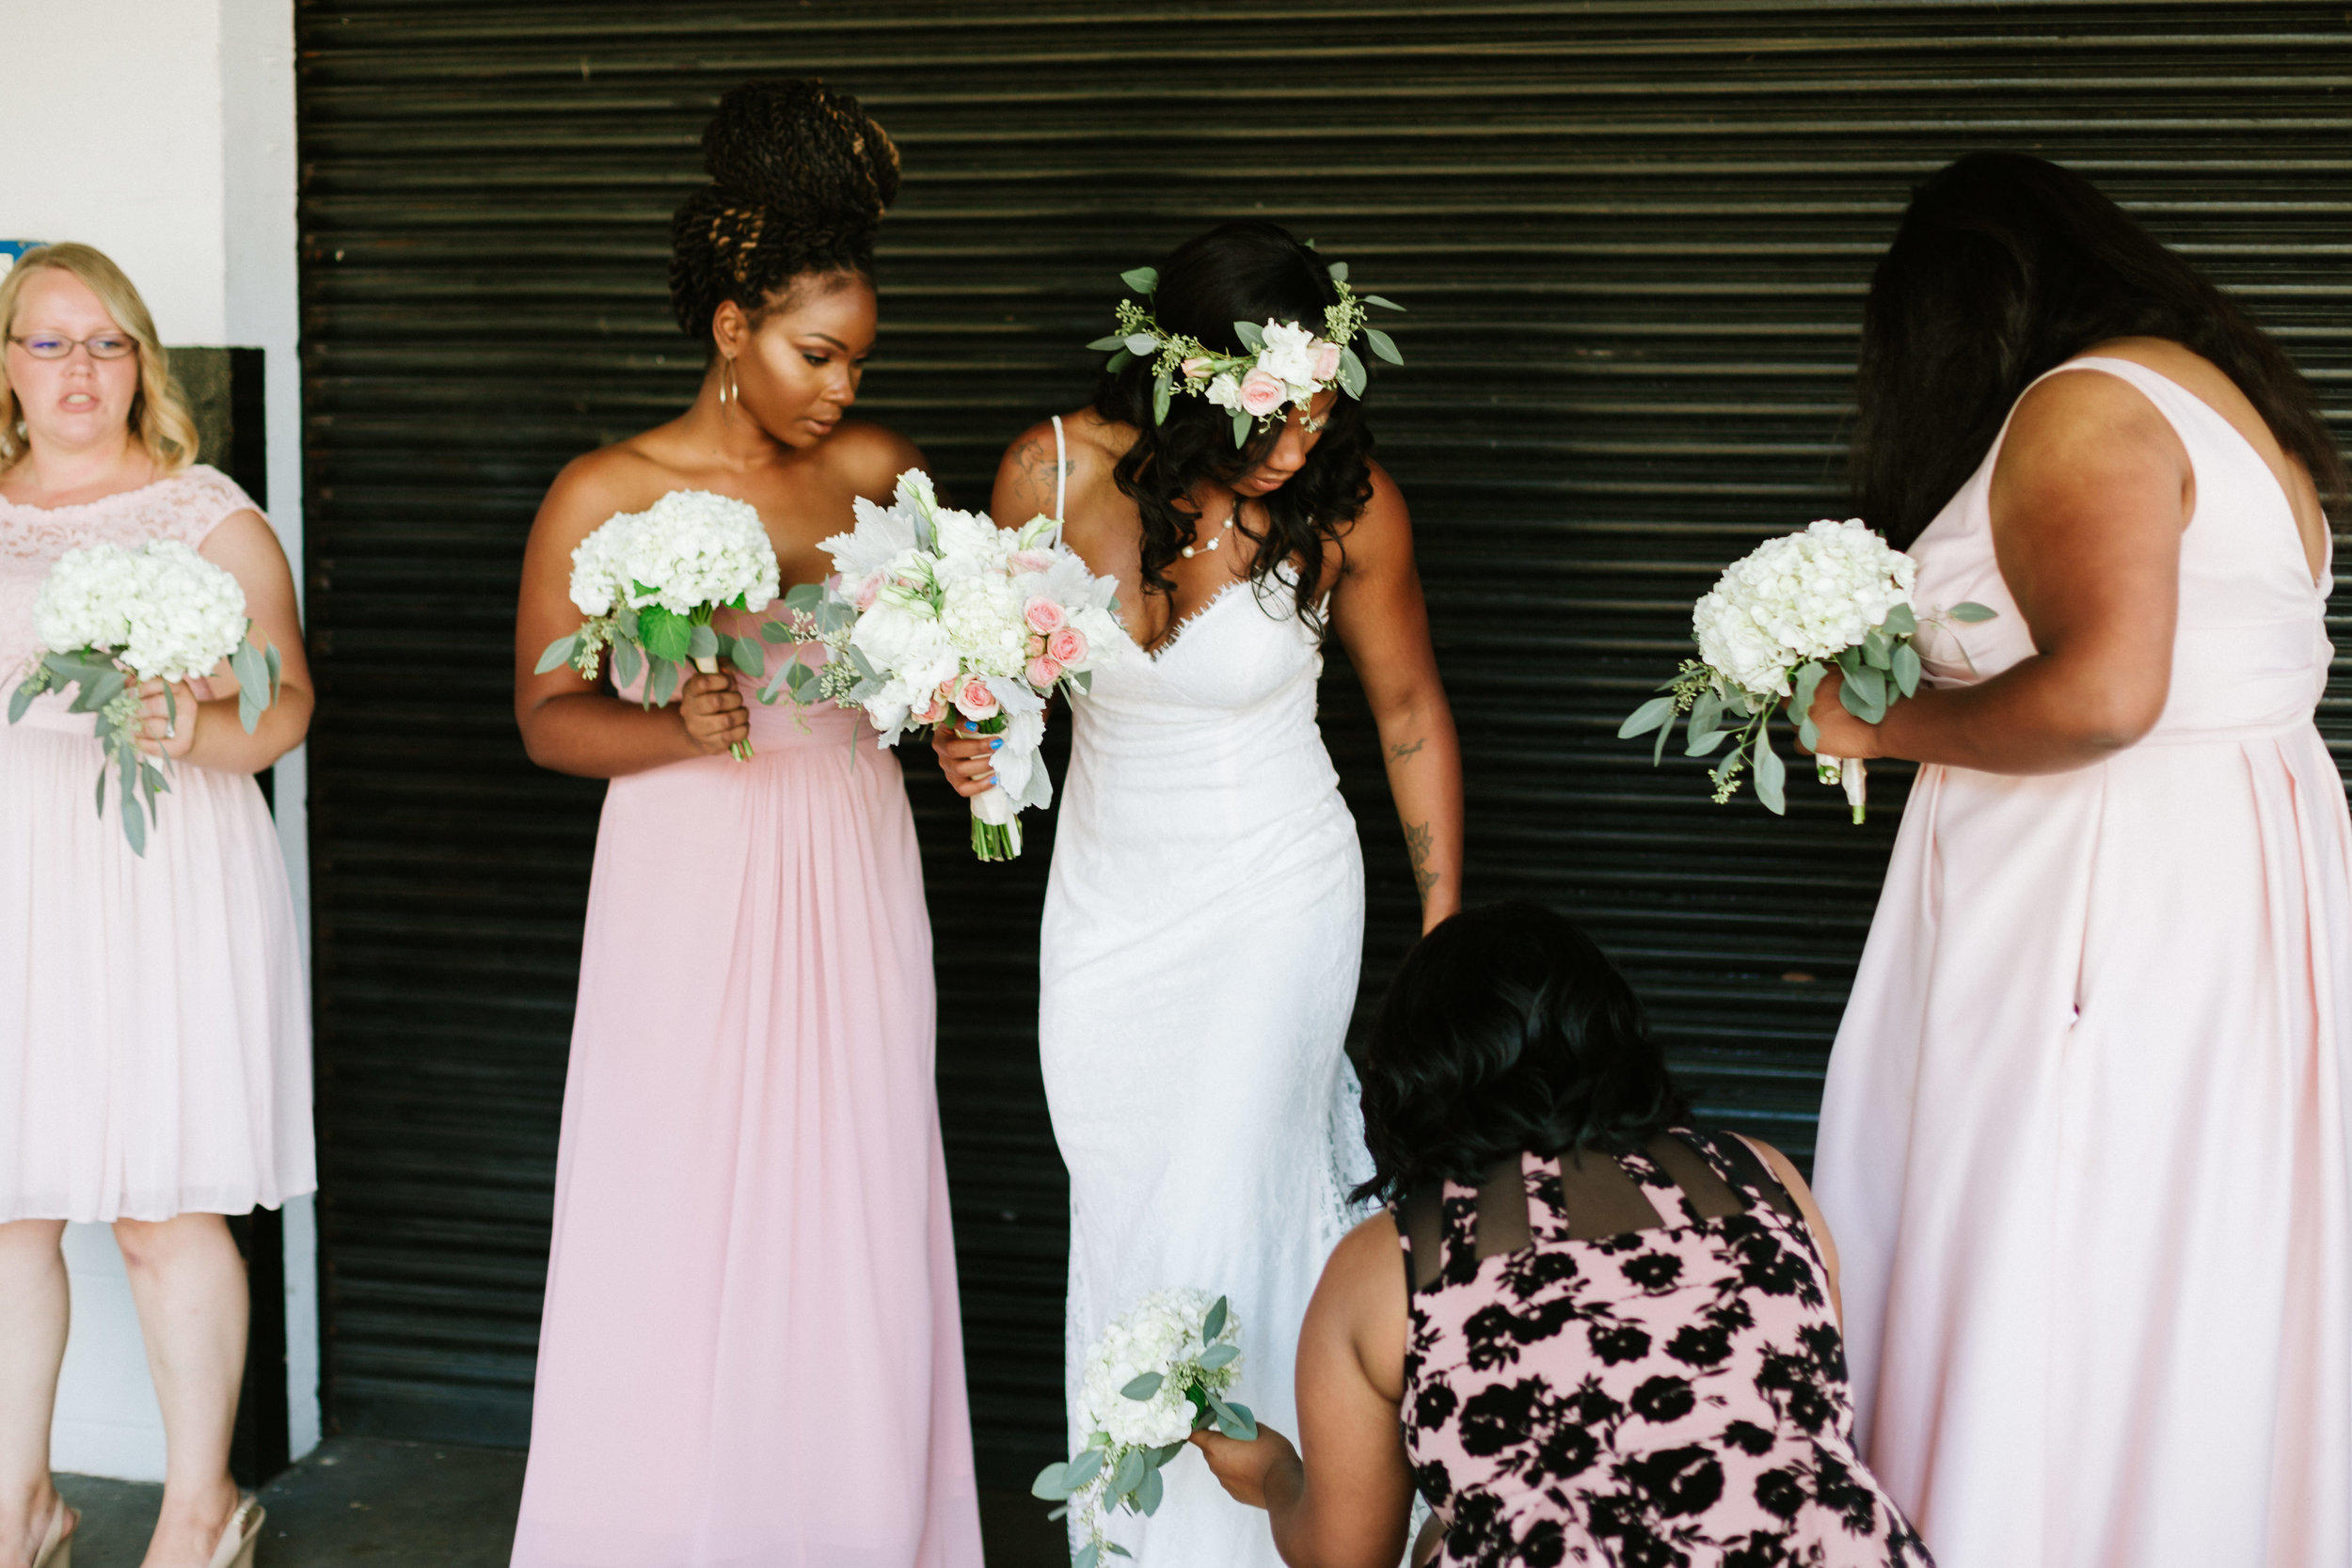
(650, 582)
(1159, 1375)
(935, 612)
(107, 618)
(1771, 629)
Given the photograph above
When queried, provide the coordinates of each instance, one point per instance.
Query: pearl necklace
(1223, 529)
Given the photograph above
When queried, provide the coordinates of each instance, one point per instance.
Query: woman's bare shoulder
(1090, 447)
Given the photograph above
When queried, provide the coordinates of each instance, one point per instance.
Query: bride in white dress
(1205, 912)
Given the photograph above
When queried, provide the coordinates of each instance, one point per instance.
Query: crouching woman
(1608, 1339)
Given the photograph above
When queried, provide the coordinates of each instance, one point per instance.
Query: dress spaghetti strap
(1061, 470)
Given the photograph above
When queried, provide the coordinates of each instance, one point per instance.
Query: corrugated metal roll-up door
(1634, 240)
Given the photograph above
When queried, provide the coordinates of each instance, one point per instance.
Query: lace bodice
(186, 506)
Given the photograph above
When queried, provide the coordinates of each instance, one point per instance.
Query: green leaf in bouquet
(1105, 344)
(1383, 345)
(1878, 652)
(102, 782)
(1213, 1324)
(803, 597)
(1703, 742)
(1161, 390)
(1235, 1421)
(664, 635)
(1219, 1355)
(1084, 1467)
(774, 631)
(1809, 678)
(1121, 1551)
(626, 624)
(835, 619)
(1053, 1482)
(1906, 669)
(1666, 733)
(663, 683)
(1899, 621)
(1383, 304)
(627, 664)
(1771, 774)
(1656, 711)
(1241, 429)
(1061, 1512)
(1082, 680)
(1706, 712)
(1144, 280)
(1864, 695)
(701, 641)
(134, 819)
(1337, 271)
(1144, 1386)
(1132, 1469)
(1148, 1492)
(1252, 336)
(1971, 611)
(559, 654)
(746, 655)
(26, 689)
(1086, 1557)
(1352, 376)
(1166, 1451)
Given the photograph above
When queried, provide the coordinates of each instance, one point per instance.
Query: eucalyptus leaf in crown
(1284, 364)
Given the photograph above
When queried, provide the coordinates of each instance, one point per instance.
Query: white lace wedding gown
(1203, 924)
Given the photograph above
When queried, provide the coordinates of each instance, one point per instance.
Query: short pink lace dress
(155, 1022)
(1632, 1362)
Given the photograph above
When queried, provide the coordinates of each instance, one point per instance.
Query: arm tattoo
(1037, 471)
(1417, 843)
(1399, 751)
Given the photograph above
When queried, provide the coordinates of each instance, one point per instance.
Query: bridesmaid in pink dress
(751, 1355)
(154, 1025)
(2084, 1140)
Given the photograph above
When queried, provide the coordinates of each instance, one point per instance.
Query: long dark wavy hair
(799, 175)
(1507, 1030)
(1248, 270)
(2005, 265)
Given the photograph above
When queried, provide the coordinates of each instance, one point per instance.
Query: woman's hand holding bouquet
(938, 617)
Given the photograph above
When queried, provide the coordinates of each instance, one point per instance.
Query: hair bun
(799, 175)
(808, 154)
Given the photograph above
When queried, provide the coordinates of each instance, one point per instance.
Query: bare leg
(190, 1287)
(33, 1317)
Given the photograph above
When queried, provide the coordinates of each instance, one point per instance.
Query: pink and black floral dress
(1632, 1362)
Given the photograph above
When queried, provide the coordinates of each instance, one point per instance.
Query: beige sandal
(57, 1547)
(240, 1535)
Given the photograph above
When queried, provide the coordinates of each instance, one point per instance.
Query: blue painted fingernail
(996, 745)
(991, 778)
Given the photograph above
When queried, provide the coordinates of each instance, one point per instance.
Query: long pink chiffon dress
(2083, 1144)
(751, 1355)
(155, 1019)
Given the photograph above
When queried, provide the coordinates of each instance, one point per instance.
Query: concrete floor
(378, 1504)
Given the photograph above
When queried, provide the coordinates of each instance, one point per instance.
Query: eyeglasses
(53, 345)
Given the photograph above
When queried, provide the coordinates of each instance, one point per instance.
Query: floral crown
(1284, 363)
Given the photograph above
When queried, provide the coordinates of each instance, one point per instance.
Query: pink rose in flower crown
(1194, 368)
(1030, 560)
(974, 699)
(1067, 648)
(1043, 671)
(1327, 363)
(1262, 392)
(1045, 616)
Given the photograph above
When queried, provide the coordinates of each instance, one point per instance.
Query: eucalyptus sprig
(659, 643)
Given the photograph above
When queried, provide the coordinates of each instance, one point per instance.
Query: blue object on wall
(12, 249)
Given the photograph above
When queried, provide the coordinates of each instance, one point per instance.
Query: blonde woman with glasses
(154, 1036)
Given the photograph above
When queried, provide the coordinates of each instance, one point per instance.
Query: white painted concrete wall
(163, 133)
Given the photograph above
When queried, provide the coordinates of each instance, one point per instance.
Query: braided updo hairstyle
(799, 175)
